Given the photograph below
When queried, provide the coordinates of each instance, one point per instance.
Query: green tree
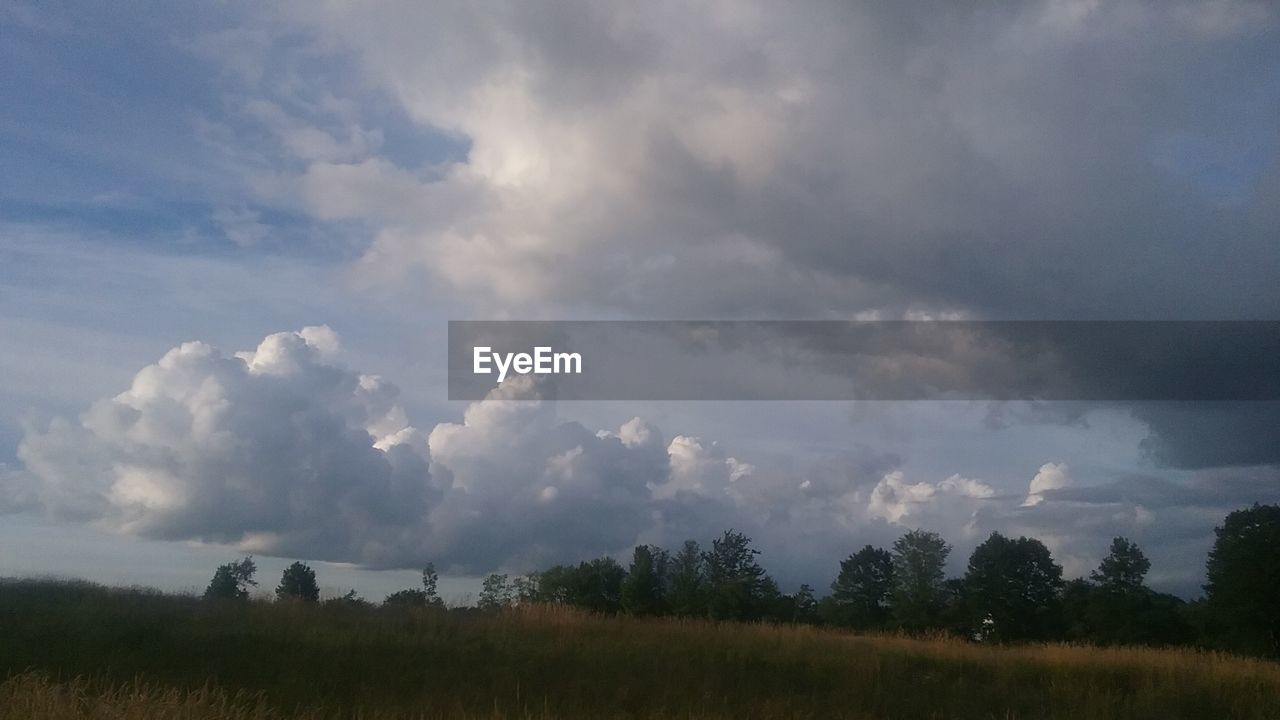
(527, 588)
(351, 600)
(556, 584)
(737, 587)
(1117, 608)
(918, 597)
(1078, 599)
(495, 592)
(1244, 579)
(594, 585)
(411, 597)
(642, 591)
(598, 585)
(415, 597)
(430, 581)
(686, 596)
(860, 593)
(298, 582)
(804, 606)
(1123, 569)
(232, 580)
(954, 616)
(1012, 589)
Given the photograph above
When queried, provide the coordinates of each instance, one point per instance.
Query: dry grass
(127, 655)
(31, 696)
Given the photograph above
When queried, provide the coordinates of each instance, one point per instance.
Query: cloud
(274, 449)
(241, 226)
(1037, 160)
(18, 491)
(1211, 434)
(525, 489)
(1051, 476)
(714, 160)
(280, 450)
(702, 468)
(896, 501)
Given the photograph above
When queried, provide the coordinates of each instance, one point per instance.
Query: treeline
(1012, 590)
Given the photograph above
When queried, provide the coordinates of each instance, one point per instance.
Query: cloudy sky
(230, 240)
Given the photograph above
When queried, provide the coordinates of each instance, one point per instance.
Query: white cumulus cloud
(1051, 476)
(894, 499)
(271, 447)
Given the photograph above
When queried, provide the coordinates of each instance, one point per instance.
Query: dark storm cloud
(1206, 435)
(1041, 160)
(1048, 159)
(1122, 361)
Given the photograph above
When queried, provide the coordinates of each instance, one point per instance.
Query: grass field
(80, 651)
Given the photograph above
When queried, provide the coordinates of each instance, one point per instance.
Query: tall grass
(127, 651)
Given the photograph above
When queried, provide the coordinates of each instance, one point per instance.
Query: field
(72, 650)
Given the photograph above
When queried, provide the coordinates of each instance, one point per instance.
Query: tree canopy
(919, 563)
(1244, 577)
(642, 590)
(686, 596)
(232, 580)
(298, 582)
(495, 592)
(1123, 569)
(737, 587)
(1011, 589)
(860, 593)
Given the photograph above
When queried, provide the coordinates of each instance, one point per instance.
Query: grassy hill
(70, 650)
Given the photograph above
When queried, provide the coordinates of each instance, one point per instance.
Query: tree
(232, 581)
(594, 585)
(298, 582)
(954, 617)
(860, 593)
(414, 597)
(430, 579)
(641, 592)
(351, 599)
(804, 606)
(1123, 569)
(1116, 608)
(686, 594)
(799, 607)
(527, 588)
(663, 568)
(737, 587)
(598, 585)
(556, 584)
(1012, 589)
(495, 593)
(411, 597)
(1078, 600)
(919, 559)
(1244, 579)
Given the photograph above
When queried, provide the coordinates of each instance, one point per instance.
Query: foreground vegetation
(82, 651)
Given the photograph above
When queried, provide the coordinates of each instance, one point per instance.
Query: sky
(231, 238)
